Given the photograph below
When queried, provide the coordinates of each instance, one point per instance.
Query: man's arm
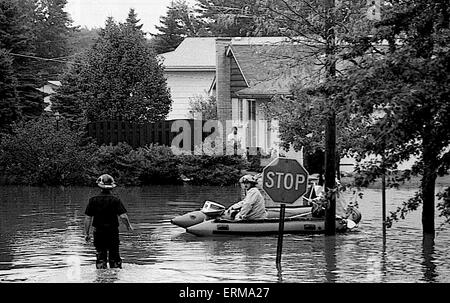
(87, 227)
(125, 220)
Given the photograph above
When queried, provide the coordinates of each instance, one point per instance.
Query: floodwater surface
(41, 240)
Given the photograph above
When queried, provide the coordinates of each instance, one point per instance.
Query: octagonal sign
(285, 180)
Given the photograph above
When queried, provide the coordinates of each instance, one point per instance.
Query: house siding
(185, 85)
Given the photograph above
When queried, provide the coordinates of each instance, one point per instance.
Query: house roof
(268, 69)
(199, 53)
(196, 53)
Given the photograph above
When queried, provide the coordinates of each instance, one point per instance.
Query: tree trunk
(330, 174)
(428, 187)
(330, 132)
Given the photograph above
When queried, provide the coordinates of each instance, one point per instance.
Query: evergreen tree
(17, 37)
(8, 102)
(236, 18)
(53, 30)
(179, 23)
(132, 21)
(68, 100)
(82, 39)
(121, 78)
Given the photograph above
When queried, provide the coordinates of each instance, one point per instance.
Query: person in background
(253, 206)
(102, 213)
(234, 139)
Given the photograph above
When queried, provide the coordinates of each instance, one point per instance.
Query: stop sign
(285, 180)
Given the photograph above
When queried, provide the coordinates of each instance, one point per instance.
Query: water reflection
(109, 275)
(428, 263)
(330, 259)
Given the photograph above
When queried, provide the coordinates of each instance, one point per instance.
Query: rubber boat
(296, 225)
(212, 210)
(209, 222)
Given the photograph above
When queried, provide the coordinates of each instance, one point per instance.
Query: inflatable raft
(209, 222)
(296, 225)
(212, 210)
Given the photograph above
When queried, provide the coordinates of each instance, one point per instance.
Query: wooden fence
(141, 134)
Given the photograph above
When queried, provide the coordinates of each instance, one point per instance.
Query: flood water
(41, 240)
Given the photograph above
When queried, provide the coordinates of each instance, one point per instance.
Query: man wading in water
(102, 212)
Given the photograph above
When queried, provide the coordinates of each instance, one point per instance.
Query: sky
(93, 13)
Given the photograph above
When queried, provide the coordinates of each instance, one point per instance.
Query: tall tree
(82, 38)
(53, 29)
(179, 22)
(17, 37)
(68, 100)
(121, 79)
(410, 84)
(8, 102)
(236, 18)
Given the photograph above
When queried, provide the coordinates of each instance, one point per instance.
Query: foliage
(82, 39)
(444, 204)
(411, 205)
(18, 38)
(404, 90)
(151, 164)
(161, 165)
(211, 170)
(53, 28)
(68, 99)
(39, 152)
(236, 18)
(156, 164)
(122, 78)
(8, 103)
(206, 106)
(178, 23)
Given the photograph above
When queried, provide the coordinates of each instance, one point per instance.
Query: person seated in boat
(252, 207)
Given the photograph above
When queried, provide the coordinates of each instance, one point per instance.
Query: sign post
(285, 181)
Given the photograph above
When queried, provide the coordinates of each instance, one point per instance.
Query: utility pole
(330, 131)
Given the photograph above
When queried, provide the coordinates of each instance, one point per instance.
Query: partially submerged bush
(41, 152)
(211, 170)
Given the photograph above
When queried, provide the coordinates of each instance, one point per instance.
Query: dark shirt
(105, 208)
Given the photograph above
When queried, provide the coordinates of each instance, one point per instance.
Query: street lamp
(57, 117)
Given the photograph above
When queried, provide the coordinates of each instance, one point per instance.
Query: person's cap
(248, 178)
(106, 181)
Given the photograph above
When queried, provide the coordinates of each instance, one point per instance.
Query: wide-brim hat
(106, 186)
(105, 181)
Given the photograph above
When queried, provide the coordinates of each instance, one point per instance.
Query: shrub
(211, 170)
(38, 152)
(152, 164)
(161, 165)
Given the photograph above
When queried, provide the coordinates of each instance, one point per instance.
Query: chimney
(223, 72)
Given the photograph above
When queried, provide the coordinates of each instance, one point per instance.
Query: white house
(48, 89)
(190, 70)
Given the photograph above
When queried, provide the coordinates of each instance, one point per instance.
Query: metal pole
(280, 235)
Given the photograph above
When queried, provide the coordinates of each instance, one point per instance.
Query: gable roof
(196, 53)
(199, 53)
(268, 69)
